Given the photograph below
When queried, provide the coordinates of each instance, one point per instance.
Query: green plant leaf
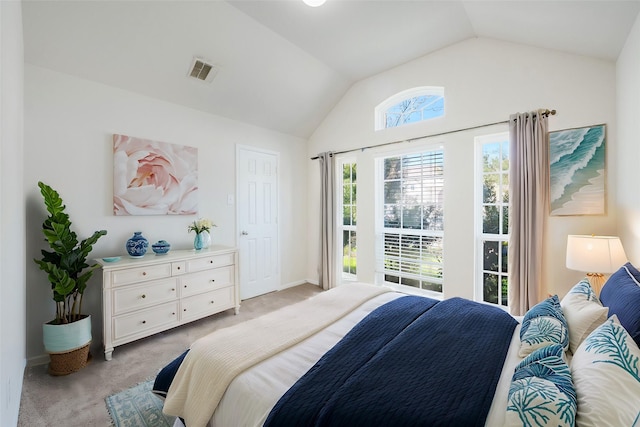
(66, 264)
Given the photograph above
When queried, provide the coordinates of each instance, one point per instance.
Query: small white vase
(206, 240)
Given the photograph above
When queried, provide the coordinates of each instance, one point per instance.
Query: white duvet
(251, 395)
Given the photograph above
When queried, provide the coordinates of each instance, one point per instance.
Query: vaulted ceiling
(282, 64)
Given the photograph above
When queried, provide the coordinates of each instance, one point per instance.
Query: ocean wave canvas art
(577, 171)
(153, 177)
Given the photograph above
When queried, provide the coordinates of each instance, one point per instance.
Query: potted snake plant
(68, 336)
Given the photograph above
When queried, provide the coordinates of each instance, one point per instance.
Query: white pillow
(606, 375)
(584, 313)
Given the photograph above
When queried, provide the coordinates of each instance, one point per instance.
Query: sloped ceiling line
(296, 60)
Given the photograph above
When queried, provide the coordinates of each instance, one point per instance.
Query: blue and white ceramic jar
(161, 247)
(137, 245)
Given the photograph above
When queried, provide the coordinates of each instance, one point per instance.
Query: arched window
(410, 106)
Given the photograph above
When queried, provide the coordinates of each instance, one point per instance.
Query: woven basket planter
(68, 363)
(67, 345)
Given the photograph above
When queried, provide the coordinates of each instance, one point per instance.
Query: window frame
(352, 228)
(481, 237)
(381, 109)
(380, 229)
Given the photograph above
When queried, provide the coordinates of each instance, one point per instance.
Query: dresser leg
(236, 310)
(107, 353)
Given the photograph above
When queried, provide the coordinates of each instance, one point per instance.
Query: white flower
(200, 225)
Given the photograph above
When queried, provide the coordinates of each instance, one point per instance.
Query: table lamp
(595, 255)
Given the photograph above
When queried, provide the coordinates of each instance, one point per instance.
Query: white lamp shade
(595, 254)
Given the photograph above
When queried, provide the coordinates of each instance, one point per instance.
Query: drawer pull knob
(144, 273)
(173, 289)
(213, 302)
(184, 309)
(173, 314)
(211, 262)
(185, 286)
(213, 280)
(144, 321)
(178, 268)
(144, 296)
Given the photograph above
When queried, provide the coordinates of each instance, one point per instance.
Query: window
(349, 215)
(412, 189)
(493, 218)
(410, 106)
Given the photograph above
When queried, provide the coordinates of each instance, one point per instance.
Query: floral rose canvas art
(153, 177)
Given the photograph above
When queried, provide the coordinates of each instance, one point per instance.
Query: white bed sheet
(251, 395)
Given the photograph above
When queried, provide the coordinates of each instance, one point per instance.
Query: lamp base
(596, 280)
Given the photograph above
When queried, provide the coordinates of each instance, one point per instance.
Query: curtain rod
(545, 113)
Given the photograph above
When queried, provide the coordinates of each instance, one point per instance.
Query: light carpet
(138, 407)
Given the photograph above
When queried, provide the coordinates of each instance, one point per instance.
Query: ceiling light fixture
(314, 3)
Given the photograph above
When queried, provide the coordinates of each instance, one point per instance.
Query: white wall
(12, 213)
(628, 155)
(485, 81)
(69, 124)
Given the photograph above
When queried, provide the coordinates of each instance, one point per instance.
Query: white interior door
(257, 212)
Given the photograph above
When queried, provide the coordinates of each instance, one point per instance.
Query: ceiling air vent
(202, 70)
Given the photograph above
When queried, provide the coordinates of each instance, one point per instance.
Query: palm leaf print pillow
(544, 324)
(606, 374)
(541, 391)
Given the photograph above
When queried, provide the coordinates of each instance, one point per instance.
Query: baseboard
(292, 284)
(43, 359)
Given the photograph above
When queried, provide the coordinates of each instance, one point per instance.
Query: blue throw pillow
(544, 324)
(541, 391)
(621, 294)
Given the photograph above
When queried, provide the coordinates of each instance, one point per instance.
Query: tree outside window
(349, 219)
(410, 106)
(494, 211)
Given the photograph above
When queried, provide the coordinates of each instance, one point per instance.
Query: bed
(349, 356)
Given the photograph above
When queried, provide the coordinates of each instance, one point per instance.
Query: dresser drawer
(206, 280)
(142, 297)
(198, 306)
(155, 318)
(213, 261)
(178, 268)
(129, 298)
(139, 274)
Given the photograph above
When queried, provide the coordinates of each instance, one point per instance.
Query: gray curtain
(529, 200)
(327, 264)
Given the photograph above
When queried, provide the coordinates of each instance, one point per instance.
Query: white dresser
(144, 296)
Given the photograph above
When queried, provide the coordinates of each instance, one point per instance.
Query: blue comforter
(412, 362)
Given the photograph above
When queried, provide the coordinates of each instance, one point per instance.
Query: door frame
(276, 154)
